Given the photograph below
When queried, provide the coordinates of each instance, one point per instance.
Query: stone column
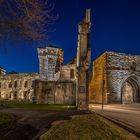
(83, 62)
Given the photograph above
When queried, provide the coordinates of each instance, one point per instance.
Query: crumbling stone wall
(98, 76)
(17, 86)
(118, 67)
(62, 92)
(2, 71)
(68, 72)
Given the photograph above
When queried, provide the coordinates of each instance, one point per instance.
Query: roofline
(108, 52)
(121, 53)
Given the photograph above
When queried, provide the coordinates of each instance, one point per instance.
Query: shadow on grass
(30, 105)
(6, 122)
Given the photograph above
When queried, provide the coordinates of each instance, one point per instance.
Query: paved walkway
(128, 115)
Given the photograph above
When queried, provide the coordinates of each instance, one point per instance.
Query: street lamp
(102, 88)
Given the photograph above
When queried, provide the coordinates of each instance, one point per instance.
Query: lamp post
(77, 76)
(102, 88)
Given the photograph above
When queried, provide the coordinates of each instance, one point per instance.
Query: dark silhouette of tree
(26, 18)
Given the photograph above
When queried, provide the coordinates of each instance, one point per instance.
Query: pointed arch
(130, 91)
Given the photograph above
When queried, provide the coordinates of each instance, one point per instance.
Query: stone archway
(130, 91)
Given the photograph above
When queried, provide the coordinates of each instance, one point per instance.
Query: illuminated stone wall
(95, 88)
(17, 86)
(50, 59)
(118, 67)
(68, 72)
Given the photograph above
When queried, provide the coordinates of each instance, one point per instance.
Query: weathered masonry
(50, 59)
(62, 91)
(83, 62)
(17, 86)
(2, 71)
(69, 84)
(117, 75)
(55, 92)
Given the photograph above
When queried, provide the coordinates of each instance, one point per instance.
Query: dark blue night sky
(115, 27)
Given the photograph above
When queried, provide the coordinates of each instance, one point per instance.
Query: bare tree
(26, 18)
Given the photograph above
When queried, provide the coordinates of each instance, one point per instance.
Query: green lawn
(6, 122)
(30, 105)
(85, 127)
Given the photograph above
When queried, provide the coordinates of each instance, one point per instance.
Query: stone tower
(83, 62)
(50, 60)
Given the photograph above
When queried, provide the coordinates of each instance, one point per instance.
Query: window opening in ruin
(26, 84)
(133, 66)
(10, 95)
(33, 84)
(15, 95)
(10, 84)
(15, 85)
(72, 73)
(25, 95)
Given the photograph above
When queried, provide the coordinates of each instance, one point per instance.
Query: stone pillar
(83, 62)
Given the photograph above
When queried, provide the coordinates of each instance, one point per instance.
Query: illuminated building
(50, 59)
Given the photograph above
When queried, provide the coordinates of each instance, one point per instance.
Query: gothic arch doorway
(130, 91)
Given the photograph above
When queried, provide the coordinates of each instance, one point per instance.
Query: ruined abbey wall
(98, 75)
(55, 92)
(118, 67)
(17, 86)
(68, 72)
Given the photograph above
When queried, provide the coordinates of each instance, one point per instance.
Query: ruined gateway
(116, 76)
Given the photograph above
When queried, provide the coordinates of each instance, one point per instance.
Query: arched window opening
(10, 84)
(15, 95)
(26, 84)
(15, 84)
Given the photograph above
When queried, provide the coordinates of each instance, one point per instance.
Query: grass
(6, 122)
(85, 127)
(30, 105)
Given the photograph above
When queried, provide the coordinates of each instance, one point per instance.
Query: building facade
(116, 78)
(17, 86)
